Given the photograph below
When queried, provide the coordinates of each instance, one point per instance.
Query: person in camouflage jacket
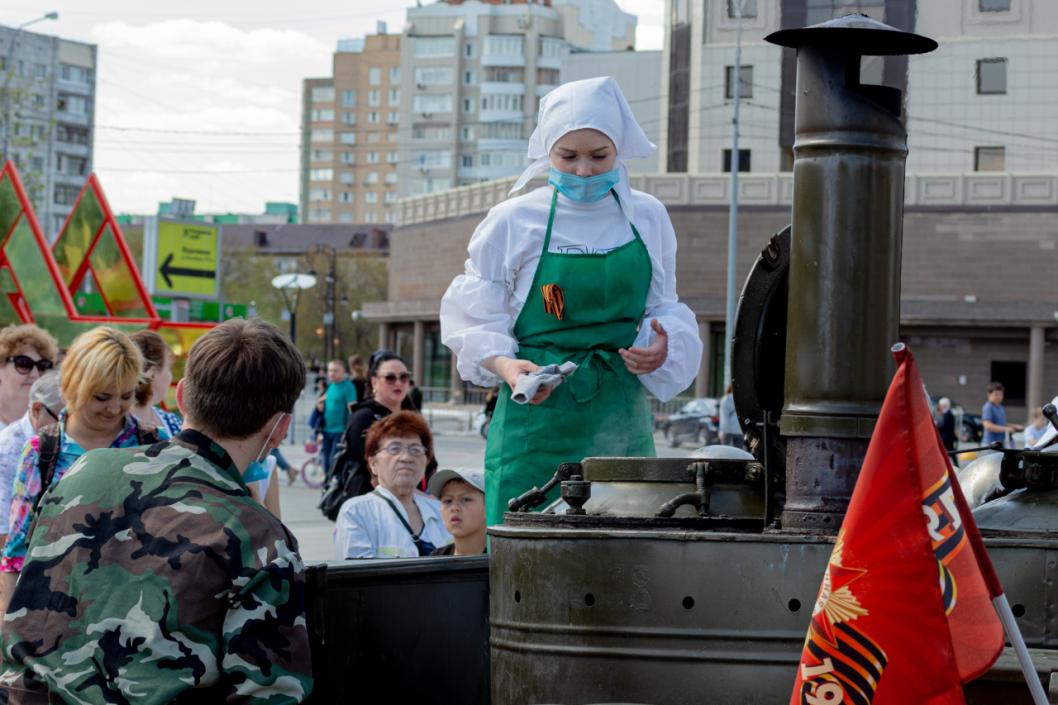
(152, 576)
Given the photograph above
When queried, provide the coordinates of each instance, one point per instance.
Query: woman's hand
(641, 361)
(509, 369)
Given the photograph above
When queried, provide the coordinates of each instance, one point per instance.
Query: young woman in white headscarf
(581, 270)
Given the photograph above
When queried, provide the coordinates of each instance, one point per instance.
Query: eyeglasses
(24, 364)
(414, 450)
(392, 378)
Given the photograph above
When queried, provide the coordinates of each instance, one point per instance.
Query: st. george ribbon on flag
(905, 611)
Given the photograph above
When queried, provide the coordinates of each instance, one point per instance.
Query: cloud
(179, 83)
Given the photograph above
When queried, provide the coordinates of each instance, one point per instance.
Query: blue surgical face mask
(261, 468)
(584, 189)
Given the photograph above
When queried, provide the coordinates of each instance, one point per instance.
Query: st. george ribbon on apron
(602, 409)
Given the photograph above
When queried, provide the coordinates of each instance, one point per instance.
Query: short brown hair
(14, 337)
(155, 354)
(98, 359)
(994, 387)
(402, 423)
(357, 366)
(239, 375)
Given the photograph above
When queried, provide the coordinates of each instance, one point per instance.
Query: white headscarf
(595, 103)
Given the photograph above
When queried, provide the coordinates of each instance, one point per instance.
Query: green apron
(602, 409)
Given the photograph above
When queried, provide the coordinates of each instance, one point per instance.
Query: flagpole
(1018, 642)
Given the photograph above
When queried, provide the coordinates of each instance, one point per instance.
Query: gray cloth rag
(549, 376)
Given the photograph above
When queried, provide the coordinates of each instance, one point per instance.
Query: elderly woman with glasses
(395, 519)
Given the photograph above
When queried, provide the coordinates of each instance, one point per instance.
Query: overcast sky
(203, 101)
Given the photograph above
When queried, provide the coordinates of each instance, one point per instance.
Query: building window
(746, 87)
(71, 134)
(323, 135)
(467, 160)
(319, 194)
(371, 196)
(323, 94)
(322, 114)
(391, 157)
(348, 138)
(431, 104)
(346, 177)
(394, 96)
(374, 75)
(504, 44)
(319, 215)
(372, 157)
(991, 76)
(322, 155)
(394, 74)
(502, 74)
(77, 74)
(993, 5)
(390, 197)
(393, 118)
(440, 133)
(1012, 376)
(348, 118)
(345, 197)
(391, 177)
(468, 50)
(432, 159)
(434, 46)
(73, 104)
(749, 8)
(467, 133)
(551, 47)
(371, 178)
(321, 174)
(547, 77)
(370, 217)
(468, 78)
(348, 158)
(374, 98)
(432, 76)
(817, 11)
(990, 158)
(468, 105)
(348, 99)
(345, 218)
(502, 101)
(743, 160)
(66, 195)
(372, 118)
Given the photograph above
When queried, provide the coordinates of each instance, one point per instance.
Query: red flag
(904, 614)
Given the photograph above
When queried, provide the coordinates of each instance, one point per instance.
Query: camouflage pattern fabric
(153, 577)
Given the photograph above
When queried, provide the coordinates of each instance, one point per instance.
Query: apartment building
(47, 118)
(350, 134)
(473, 74)
(983, 101)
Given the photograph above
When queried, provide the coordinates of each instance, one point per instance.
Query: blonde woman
(99, 378)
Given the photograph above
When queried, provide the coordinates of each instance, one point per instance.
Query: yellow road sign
(187, 259)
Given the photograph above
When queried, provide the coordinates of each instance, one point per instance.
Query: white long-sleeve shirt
(367, 527)
(481, 305)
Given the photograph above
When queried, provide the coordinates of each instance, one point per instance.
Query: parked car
(696, 422)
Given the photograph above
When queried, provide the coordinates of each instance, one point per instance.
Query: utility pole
(732, 219)
(9, 70)
(329, 345)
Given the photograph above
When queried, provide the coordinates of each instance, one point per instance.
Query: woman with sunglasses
(99, 377)
(388, 385)
(26, 352)
(45, 404)
(395, 519)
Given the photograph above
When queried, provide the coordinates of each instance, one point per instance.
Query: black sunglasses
(392, 378)
(25, 364)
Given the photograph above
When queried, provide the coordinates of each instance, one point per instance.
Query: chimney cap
(857, 34)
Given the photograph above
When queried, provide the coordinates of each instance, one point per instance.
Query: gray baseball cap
(474, 478)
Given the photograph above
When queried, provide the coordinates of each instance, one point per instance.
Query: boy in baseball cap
(462, 495)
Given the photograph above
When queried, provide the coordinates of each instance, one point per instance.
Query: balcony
(549, 62)
(502, 87)
(500, 116)
(543, 89)
(505, 60)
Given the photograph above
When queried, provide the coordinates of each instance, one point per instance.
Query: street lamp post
(292, 285)
(732, 216)
(9, 69)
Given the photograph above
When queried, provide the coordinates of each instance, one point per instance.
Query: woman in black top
(388, 393)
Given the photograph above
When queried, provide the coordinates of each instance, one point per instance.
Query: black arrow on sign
(167, 271)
